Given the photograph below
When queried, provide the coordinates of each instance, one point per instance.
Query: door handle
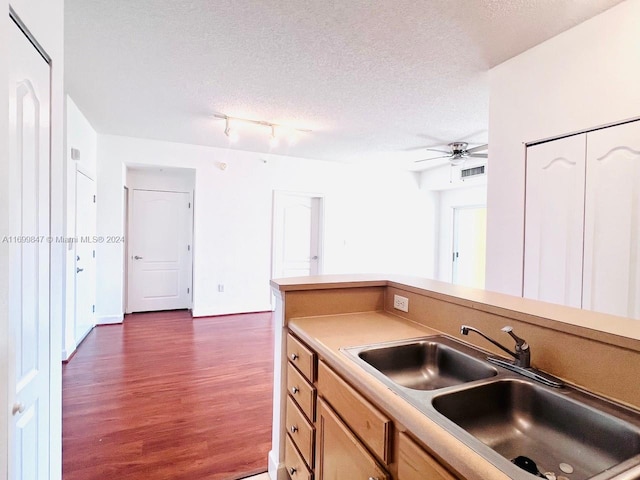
(137, 258)
(315, 257)
(17, 408)
(78, 270)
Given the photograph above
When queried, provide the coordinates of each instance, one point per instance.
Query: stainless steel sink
(427, 364)
(503, 415)
(519, 418)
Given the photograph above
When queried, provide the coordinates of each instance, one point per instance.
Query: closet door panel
(612, 221)
(554, 221)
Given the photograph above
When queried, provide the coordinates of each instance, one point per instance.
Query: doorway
(469, 246)
(85, 279)
(297, 234)
(159, 251)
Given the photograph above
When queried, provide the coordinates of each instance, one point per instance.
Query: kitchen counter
(338, 311)
(327, 334)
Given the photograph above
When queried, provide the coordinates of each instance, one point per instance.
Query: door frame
(276, 222)
(53, 340)
(82, 171)
(127, 258)
(454, 217)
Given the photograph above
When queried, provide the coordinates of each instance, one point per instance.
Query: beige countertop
(327, 334)
(625, 331)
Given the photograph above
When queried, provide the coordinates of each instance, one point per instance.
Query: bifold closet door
(554, 221)
(612, 221)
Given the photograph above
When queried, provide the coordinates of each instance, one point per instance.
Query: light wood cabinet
(340, 454)
(582, 221)
(333, 432)
(366, 421)
(416, 464)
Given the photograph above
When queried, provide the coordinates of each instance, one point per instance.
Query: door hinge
(94, 254)
(93, 308)
(188, 290)
(94, 199)
(188, 248)
(189, 205)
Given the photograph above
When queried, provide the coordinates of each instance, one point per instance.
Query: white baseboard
(231, 310)
(277, 470)
(67, 355)
(109, 319)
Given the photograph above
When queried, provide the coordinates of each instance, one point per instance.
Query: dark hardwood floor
(165, 396)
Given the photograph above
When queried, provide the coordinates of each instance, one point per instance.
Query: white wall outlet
(220, 287)
(401, 303)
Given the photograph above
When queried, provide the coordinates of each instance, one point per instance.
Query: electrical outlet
(401, 303)
(221, 287)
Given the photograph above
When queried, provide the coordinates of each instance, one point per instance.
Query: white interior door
(469, 246)
(554, 221)
(297, 233)
(612, 221)
(29, 102)
(85, 256)
(159, 251)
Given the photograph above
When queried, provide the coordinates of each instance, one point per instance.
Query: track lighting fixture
(232, 133)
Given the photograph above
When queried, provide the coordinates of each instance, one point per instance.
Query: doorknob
(315, 257)
(17, 408)
(78, 270)
(137, 257)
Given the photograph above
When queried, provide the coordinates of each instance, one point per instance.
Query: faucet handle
(521, 344)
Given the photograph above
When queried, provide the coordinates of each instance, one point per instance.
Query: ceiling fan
(458, 153)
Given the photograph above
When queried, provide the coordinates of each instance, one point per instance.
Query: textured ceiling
(372, 79)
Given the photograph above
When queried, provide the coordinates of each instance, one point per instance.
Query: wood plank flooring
(165, 396)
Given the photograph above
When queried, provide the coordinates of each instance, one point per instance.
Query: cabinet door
(416, 464)
(554, 221)
(612, 221)
(340, 456)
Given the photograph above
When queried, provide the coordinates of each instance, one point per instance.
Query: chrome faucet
(522, 355)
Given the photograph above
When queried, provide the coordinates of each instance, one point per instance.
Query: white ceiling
(372, 79)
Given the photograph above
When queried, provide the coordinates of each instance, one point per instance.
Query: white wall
(80, 135)
(583, 78)
(375, 220)
(45, 20)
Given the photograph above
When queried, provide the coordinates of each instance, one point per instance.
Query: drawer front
(301, 431)
(302, 392)
(303, 358)
(366, 421)
(341, 456)
(296, 468)
(416, 464)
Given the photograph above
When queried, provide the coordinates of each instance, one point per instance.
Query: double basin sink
(523, 427)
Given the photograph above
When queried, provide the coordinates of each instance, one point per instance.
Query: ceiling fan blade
(478, 148)
(433, 158)
(440, 151)
(478, 155)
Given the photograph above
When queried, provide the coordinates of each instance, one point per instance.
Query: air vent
(472, 172)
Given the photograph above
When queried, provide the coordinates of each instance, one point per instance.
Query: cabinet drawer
(302, 392)
(416, 464)
(296, 468)
(303, 358)
(366, 421)
(340, 454)
(301, 431)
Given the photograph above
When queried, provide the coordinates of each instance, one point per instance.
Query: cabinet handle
(293, 429)
(294, 356)
(295, 390)
(292, 471)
